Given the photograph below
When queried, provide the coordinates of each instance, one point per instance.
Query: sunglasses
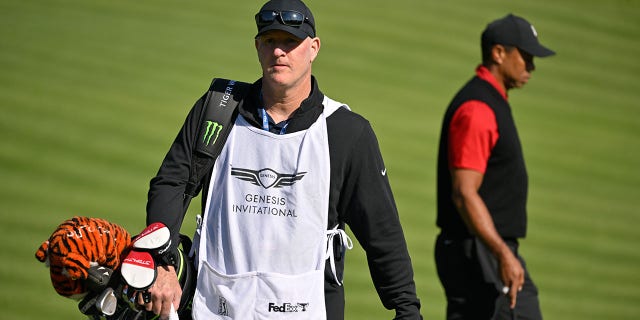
(287, 17)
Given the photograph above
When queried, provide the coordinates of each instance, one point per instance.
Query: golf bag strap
(218, 115)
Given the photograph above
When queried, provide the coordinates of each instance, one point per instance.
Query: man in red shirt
(482, 184)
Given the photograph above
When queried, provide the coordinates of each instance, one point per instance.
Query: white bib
(262, 243)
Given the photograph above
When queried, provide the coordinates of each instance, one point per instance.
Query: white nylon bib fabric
(262, 242)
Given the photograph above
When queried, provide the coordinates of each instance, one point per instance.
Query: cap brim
(297, 32)
(539, 51)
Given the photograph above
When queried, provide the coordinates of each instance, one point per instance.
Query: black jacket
(360, 196)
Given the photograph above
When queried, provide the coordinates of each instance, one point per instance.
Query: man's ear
(498, 53)
(315, 47)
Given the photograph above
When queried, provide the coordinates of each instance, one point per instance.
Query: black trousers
(468, 272)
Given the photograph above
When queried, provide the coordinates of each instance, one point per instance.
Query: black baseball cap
(514, 31)
(306, 27)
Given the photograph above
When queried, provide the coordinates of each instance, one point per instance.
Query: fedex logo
(288, 307)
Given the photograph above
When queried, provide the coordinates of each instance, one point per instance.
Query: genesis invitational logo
(267, 178)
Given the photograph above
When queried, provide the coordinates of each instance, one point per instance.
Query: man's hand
(164, 292)
(512, 275)
(474, 213)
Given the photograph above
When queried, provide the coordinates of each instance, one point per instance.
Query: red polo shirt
(473, 131)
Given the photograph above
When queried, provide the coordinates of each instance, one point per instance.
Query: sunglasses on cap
(287, 17)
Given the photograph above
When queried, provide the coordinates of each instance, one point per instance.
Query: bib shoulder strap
(218, 115)
(330, 105)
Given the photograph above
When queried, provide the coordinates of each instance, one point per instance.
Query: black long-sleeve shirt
(360, 196)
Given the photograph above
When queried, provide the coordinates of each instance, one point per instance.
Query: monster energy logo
(213, 131)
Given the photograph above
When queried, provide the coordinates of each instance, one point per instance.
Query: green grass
(93, 92)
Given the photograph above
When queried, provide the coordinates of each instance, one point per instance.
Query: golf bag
(107, 286)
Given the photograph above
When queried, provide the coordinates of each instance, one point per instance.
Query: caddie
(296, 168)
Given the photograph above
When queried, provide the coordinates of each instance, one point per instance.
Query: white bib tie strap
(345, 244)
(196, 236)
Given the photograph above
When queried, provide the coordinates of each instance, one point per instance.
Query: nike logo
(384, 172)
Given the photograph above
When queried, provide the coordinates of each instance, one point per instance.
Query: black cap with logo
(292, 16)
(514, 31)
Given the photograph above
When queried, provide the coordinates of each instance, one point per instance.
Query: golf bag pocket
(258, 295)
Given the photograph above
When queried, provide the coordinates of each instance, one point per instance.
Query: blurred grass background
(93, 92)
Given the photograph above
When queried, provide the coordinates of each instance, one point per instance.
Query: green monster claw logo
(213, 128)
